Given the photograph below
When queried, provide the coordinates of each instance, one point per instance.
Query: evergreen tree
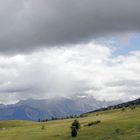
(76, 124)
(74, 128)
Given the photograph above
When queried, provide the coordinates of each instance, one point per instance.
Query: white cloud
(62, 71)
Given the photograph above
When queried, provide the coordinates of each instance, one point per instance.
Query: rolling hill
(115, 124)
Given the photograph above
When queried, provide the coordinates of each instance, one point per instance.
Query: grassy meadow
(115, 125)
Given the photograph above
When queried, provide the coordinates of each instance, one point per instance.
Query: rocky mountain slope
(59, 107)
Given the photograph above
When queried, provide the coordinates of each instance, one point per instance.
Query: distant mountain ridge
(117, 106)
(58, 107)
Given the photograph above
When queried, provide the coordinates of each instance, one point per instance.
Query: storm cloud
(62, 47)
(29, 25)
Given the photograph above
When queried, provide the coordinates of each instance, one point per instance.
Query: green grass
(115, 125)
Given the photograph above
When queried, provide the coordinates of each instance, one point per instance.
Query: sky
(52, 48)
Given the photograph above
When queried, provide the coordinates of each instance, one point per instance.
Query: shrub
(42, 127)
(83, 115)
(73, 131)
(132, 107)
(119, 131)
(106, 138)
(93, 123)
(123, 109)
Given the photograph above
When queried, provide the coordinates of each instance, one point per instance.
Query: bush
(42, 127)
(73, 131)
(106, 138)
(123, 109)
(93, 123)
(83, 115)
(132, 107)
(119, 131)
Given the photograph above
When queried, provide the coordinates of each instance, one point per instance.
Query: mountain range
(58, 107)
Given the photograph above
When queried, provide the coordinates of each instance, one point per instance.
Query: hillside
(133, 103)
(115, 124)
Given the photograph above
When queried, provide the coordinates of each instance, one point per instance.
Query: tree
(76, 124)
(74, 128)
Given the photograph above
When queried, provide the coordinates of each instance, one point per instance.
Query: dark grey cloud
(26, 25)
